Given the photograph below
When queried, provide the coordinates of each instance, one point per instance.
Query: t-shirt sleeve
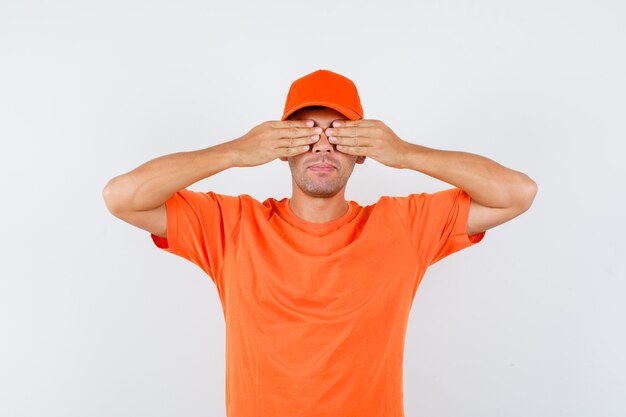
(437, 222)
(201, 228)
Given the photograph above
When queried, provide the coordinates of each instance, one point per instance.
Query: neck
(318, 209)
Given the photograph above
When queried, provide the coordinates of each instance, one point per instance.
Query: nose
(323, 145)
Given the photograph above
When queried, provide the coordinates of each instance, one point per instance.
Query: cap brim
(349, 113)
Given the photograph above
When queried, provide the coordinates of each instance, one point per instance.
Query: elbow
(114, 195)
(108, 195)
(526, 194)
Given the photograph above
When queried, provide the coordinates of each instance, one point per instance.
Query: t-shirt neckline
(291, 216)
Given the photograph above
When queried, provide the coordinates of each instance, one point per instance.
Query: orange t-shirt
(316, 313)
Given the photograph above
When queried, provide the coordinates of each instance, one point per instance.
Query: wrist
(414, 156)
(229, 153)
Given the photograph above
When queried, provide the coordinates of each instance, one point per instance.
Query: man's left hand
(368, 137)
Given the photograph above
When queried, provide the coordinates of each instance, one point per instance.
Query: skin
(498, 194)
(319, 197)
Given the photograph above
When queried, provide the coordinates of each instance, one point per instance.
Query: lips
(322, 165)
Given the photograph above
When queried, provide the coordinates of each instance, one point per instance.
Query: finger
(358, 122)
(353, 150)
(351, 141)
(296, 150)
(298, 132)
(291, 123)
(297, 142)
(349, 131)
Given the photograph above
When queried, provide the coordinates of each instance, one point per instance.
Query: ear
(283, 158)
(360, 159)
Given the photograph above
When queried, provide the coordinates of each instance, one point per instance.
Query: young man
(316, 290)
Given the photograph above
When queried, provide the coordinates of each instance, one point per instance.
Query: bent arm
(486, 181)
(498, 193)
(151, 184)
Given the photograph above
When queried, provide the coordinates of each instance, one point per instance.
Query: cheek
(345, 159)
(297, 161)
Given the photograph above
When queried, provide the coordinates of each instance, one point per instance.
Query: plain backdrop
(97, 321)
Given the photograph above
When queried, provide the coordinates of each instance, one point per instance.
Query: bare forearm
(485, 180)
(151, 184)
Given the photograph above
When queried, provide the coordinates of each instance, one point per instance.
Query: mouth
(321, 168)
(322, 165)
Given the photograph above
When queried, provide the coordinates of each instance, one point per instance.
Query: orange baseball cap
(324, 88)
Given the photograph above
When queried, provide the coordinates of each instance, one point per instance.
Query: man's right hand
(273, 139)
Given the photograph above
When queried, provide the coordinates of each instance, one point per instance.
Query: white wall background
(96, 321)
